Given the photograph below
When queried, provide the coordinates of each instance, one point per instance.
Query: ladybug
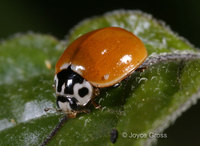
(98, 59)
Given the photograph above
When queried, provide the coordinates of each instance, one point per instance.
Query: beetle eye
(72, 103)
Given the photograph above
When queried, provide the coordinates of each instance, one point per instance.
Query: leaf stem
(162, 57)
(55, 130)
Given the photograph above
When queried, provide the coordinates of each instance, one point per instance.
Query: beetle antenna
(52, 109)
(55, 130)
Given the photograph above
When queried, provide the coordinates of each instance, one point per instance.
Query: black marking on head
(83, 91)
(69, 78)
(72, 103)
(61, 99)
(113, 135)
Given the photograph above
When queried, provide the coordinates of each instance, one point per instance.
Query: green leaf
(145, 103)
(25, 88)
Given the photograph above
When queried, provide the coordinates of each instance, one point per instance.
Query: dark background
(58, 17)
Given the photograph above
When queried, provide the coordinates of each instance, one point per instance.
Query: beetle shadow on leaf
(117, 96)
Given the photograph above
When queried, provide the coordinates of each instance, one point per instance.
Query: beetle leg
(96, 106)
(84, 111)
(96, 92)
(141, 69)
(72, 115)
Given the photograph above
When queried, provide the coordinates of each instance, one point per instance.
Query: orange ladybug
(98, 59)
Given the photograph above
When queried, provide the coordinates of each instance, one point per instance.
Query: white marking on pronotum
(77, 68)
(62, 92)
(83, 100)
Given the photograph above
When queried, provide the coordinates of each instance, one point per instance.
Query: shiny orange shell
(104, 56)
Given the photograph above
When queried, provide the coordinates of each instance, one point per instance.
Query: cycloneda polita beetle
(98, 59)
